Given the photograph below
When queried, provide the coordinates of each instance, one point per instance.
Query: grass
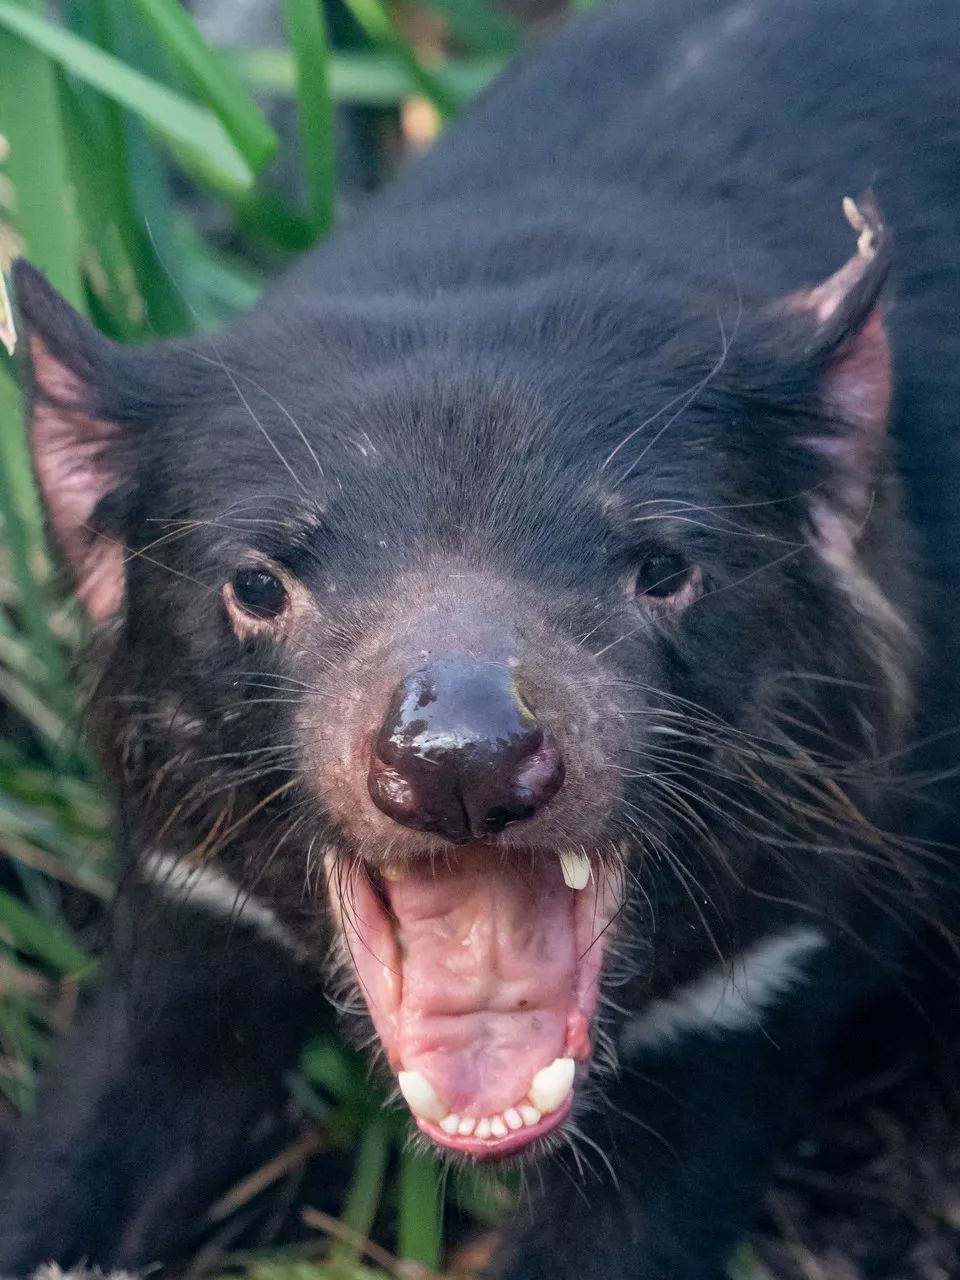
(124, 136)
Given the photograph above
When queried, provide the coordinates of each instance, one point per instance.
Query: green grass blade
(328, 1065)
(46, 220)
(35, 936)
(265, 216)
(192, 132)
(366, 1186)
(222, 286)
(25, 822)
(307, 29)
(54, 802)
(420, 1231)
(18, 1040)
(137, 297)
(34, 710)
(17, 1026)
(37, 160)
(374, 20)
(367, 78)
(213, 79)
(119, 305)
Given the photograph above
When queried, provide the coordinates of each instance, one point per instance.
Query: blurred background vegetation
(161, 161)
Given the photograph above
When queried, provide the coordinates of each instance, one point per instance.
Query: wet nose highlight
(461, 754)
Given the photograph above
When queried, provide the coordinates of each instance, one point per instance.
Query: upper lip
(576, 866)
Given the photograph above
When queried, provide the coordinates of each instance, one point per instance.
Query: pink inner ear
(861, 383)
(859, 386)
(858, 392)
(68, 448)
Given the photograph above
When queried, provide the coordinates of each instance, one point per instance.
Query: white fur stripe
(210, 889)
(728, 998)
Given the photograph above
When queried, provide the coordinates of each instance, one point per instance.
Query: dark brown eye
(662, 575)
(258, 592)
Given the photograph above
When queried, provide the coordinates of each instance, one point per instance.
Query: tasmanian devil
(531, 627)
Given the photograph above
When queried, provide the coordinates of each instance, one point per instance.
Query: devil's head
(535, 645)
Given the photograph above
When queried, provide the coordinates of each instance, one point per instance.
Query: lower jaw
(494, 1148)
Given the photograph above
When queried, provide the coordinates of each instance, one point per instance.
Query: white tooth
(420, 1096)
(450, 1124)
(576, 870)
(483, 1129)
(498, 1128)
(513, 1118)
(466, 1126)
(551, 1085)
(529, 1115)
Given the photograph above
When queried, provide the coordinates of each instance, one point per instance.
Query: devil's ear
(844, 347)
(78, 453)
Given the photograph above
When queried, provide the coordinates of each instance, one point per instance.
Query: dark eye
(662, 574)
(258, 592)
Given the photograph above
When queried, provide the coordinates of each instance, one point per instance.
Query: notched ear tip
(844, 343)
(846, 300)
(873, 235)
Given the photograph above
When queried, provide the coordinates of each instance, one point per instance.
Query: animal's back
(711, 129)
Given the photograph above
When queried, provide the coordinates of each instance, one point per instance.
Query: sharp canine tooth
(513, 1118)
(466, 1126)
(394, 871)
(498, 1128)
(420, 1096)
(551, 1085)
(528, 1114)
(483, 1128)
(450, 1124)
(576, 870)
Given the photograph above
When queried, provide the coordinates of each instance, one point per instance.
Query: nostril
(542, 774)
(422, 800)
(389, 789)
(536, 780)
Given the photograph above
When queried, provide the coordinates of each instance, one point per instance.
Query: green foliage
(311, 51)
(196, 134)
(124, 138)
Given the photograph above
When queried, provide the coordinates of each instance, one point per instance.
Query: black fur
(572, 315)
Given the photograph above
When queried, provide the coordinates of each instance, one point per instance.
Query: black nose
(460, 753)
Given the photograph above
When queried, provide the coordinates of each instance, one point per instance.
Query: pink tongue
(489, 977)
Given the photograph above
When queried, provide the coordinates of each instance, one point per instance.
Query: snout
(467, 758)
(461, 754)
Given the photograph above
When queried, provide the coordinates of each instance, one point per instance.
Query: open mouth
(480, 971)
